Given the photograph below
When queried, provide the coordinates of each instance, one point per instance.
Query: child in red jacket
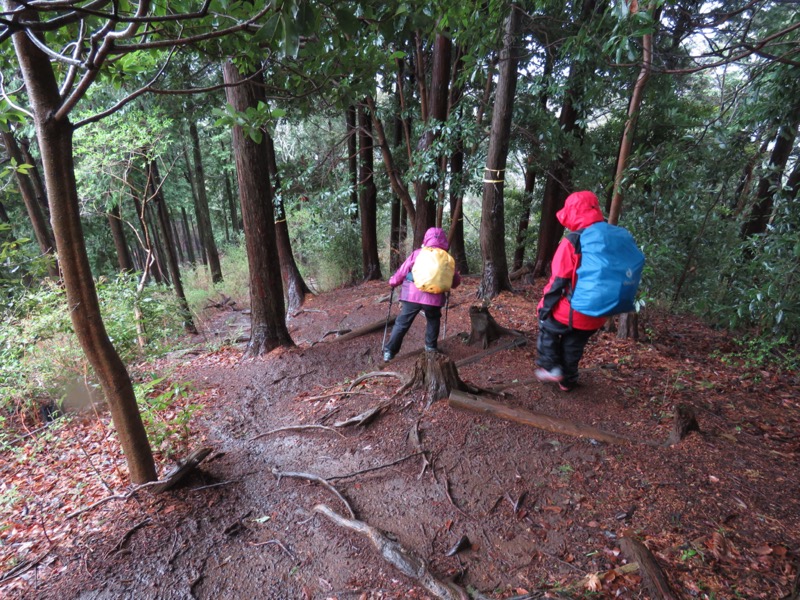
(564, 332)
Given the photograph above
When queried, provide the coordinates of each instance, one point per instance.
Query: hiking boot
(387, 355)
(566, 386)
(552, 376)
(431, 349)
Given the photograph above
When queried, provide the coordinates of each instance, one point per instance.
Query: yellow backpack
(433, 270)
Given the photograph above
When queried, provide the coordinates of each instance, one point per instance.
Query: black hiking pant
(433, 316)
(561, 346)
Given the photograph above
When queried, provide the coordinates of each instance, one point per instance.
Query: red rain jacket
(581, 209)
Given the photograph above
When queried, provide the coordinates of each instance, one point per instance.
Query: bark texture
(367, 198)
(267, 323)
(203, 213)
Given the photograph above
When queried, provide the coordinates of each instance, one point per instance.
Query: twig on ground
(369, 469)
(293, 428)
(212, 485)
(102, 501)
(277, 543)
(26, 565)
(316, 478)
(330, 395)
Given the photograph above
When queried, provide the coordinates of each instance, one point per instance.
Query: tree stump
(437, 375)
(684, 423)
(483, 328)
(628, 326)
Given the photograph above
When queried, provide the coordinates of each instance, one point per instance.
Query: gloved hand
(543, 313)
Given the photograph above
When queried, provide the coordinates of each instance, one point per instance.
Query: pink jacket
(434, 238)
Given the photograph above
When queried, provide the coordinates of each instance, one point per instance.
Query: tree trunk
(368, 198)
(770, 182)
(176, 236)
(55, 142)
(190, 178)
(493, 246)
(36, 177)
(525, 217)
(352, 159)
(145, 238)
(439, 93)
(294, 285)
(118, 233)
(38, 221)
(156, 243)
(236, 224)
(155, 183)
(203, 214)
(395, 254)
(187, 235)
(268, 325)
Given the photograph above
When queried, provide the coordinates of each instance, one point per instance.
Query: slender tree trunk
(293, 282)
(157, 244)
(193, 185)
(36, 177)
(456, 234)
(187, 235)
(118, 233)
(493, 247)
(770, 182)
(352, 159)
(55, 142)
(525, 217)
(38, 221)
(368, 199)
(268, 325)
(395, 257)
(156, 193)
(630, 124)
(176, 236)
(236, 223)
(440, 82)
(203, 213)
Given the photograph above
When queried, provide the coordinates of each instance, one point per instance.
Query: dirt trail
(541, 511)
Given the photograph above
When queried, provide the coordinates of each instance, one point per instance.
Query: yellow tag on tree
(433, 270)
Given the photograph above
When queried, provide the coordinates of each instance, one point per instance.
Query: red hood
(581, 209)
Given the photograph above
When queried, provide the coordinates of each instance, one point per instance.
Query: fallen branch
(317, 479)
(654, 578)
(404, 560)
(102, 501)
(376, 326)
(518, 340)
(528, 417)
(279, 544)
(26, 565)
(294, 428)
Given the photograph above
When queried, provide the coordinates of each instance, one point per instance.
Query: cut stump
(654, 578)
(685, 421)
(437, 374)
(483, 328)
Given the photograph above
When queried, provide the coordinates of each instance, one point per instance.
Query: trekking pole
(386, 327)
(446, 310)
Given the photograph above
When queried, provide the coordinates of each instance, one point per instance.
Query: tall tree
(293, 282)
(201, 208)
(494, 278)
(54, 132)
(155, 185)
(118, 234)
(367, 198)
(267, 323)
(41, 230)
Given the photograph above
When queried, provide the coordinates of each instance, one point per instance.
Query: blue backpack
(609, 273)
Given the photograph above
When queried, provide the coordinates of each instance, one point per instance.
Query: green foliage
(165, 412)
(40, 358)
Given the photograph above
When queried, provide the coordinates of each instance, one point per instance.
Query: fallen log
(654, 578)
(376, 326)
(404, 560)
(465, 401)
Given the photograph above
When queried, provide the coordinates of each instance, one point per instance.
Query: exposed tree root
(363, 378)
(405, 561)
(365, 418)
(316, 478)
(484, 329)
(654, 578)
(293, 428)
(517, 341)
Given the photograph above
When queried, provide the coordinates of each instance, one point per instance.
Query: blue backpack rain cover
(609, 272)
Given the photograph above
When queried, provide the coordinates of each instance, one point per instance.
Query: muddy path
(541, 512)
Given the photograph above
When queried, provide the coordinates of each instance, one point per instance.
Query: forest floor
(543, 513)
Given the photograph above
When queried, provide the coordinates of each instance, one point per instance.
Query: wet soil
(542, 512)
